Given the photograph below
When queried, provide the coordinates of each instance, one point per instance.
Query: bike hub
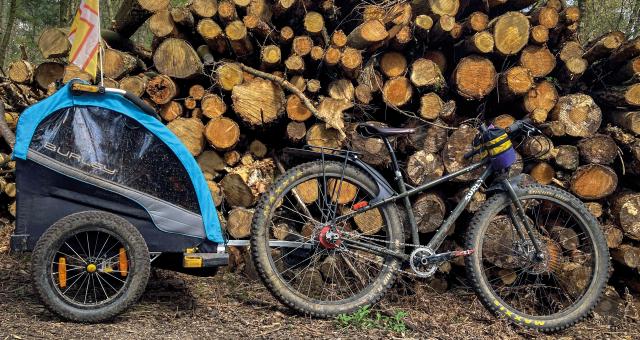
(329, 238)
(540, 262)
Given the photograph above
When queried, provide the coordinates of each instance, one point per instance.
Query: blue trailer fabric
(31, 118)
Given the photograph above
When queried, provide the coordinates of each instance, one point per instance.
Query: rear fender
(384, 189)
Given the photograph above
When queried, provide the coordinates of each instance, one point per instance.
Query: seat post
(402, 188)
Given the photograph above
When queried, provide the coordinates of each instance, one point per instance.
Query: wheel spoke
(92, 269)
(324, 272)
(529, 286)
(77, 255)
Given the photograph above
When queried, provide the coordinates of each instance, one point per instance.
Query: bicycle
(327, 238)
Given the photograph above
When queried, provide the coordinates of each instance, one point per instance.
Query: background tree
(11, 17)
(602, 16)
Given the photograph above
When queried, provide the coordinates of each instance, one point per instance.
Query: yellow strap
(497, 139)
(79, 87)
(500, 148)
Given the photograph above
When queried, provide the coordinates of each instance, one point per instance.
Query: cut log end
(593, 181)
(397, 91)
(475, 77)
(511, 33)
(222, 133)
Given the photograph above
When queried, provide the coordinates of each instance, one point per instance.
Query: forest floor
(177, 306)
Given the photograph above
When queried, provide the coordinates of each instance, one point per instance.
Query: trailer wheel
(90, 266)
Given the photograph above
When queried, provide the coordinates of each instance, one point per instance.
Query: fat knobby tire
(558, 321)
(261, 253)
(50, 242)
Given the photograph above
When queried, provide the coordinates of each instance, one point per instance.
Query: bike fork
(523, 219)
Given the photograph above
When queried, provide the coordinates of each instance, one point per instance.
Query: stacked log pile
(237, 80)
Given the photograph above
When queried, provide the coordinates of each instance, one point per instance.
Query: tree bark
(423, 167)
(429, 210)
(624, 210)
(599, 149)
(367, 34)
(459, 143)
(579, 114)
(47, 73)
(620, 96)
(133, 13)
(4, 44)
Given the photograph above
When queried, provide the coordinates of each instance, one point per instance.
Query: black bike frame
(404, 193)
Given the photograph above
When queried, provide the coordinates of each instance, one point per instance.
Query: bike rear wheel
(548, 294)
(321, 272)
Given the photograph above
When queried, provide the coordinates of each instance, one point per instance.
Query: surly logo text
(472, 191)
(78, 158)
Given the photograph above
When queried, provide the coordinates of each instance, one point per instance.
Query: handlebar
(523, 125)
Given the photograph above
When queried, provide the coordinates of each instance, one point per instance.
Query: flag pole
(100, 48)
(101, 56)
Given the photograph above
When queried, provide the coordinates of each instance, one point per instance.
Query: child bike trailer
(104, 191)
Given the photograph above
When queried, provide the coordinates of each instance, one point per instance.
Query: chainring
(418, 263)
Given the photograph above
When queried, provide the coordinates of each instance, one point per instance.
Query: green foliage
(553, 81)
(363, 319)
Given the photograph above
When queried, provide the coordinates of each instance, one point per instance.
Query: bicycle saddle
(368, 130)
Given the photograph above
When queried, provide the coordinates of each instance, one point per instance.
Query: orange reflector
(62, 272)
(124, 264)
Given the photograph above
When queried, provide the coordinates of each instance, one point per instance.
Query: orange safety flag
(85, 37)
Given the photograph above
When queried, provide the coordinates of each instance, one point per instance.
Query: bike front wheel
(313, 263)
(549, 292)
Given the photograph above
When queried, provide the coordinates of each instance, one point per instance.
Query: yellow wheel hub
(91, 268)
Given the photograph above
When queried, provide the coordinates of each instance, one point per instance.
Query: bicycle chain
(397, 270)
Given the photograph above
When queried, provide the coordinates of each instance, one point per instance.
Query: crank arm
(375, 249)
(448, 256)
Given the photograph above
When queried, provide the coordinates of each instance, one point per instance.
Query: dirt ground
(178, 306)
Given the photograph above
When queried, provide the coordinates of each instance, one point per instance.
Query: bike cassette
(425, 261)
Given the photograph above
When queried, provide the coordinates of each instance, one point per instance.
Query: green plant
(363, 319)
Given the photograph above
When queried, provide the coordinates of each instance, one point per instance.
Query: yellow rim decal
(515, 317)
